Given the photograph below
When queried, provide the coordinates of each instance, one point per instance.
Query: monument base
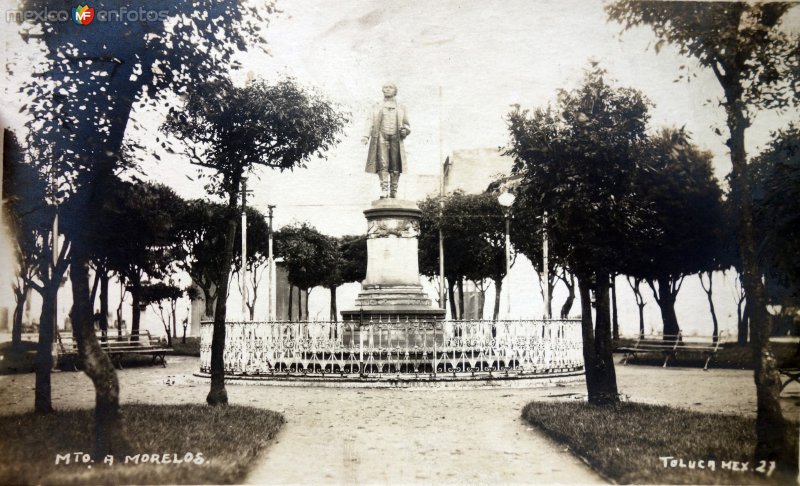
(392, 290)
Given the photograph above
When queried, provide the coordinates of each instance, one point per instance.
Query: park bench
(141, 343)
(791, 374)
(669, 345)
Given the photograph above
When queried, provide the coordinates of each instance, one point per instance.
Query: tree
(578, 162)
(32, 219)
(137, 237)
(682, 218)
(527, 236)
(23, 189)
(757, 65)
(474, 242)
(311, 258)
(200, 228)
(80, 108)
(230, 130)
(154, 295)
(635, 283)
(476, 222)
(257, 255)
(349, 257)
(776, 189)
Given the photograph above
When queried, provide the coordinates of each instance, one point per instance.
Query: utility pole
(270, 272)
(546, 269)
(55, 296)
(243, 283)
(442, 295)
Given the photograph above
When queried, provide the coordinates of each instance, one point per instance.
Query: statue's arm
(405, 125)
(367, 128)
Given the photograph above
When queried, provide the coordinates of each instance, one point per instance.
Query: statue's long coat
(373, 129)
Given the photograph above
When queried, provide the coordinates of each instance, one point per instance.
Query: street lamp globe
(506, 199)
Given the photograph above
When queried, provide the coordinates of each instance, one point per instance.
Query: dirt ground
(430, 435)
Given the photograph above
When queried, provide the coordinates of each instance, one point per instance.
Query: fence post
(434, 349)
(361, 350)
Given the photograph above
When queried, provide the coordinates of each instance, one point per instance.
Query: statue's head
(389, 89)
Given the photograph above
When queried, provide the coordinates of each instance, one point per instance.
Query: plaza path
(407, 436)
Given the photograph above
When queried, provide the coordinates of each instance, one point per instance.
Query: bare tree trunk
(665, 298)
(741, 320)
(587, 333)
(771, 428)
(251, 306)
(109, 432)
(103, 299)
(217, 395)
(44, 358)
(452, 297)
(136, 311)
(20, 295)
(709, 290)
(567, 307)
(209, 300)
(461, 297)
(605, 375)
(614, 314)
(306, 303)
(498, 287)
(173, 305)
(291, 291)
(334, 311)
(640, 303)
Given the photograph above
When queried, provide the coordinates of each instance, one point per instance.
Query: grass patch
(624, 442)
(229, 439)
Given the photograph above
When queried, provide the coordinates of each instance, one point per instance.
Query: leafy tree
(200, 228)
(137, 237)
(578, 162)
(477, 222)
(154, 295)
(526, 236)
(757, 65)
(231, 130)
(81, 107)
(776, 200)
(311, 258)
(353, 265)
(31, 222)
(474, 242)
(22, 188)
(349, 259)
(257, 255)
(683, 216)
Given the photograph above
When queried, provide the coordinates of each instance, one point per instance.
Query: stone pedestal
(392, 289)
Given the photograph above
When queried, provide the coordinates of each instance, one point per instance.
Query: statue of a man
(387, 126)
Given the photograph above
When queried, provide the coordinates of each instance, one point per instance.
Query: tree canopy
(578, 161)
(776, 194)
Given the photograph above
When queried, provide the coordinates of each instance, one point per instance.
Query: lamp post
(270, 272)
(546, 269)
(506, 199)
(243, 286)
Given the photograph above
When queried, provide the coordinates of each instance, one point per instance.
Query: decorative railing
(395, 348)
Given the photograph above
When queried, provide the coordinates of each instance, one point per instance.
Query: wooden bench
(669, 345)
(792, 375)
(116, 347)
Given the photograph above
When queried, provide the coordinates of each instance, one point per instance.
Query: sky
(459, 67)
